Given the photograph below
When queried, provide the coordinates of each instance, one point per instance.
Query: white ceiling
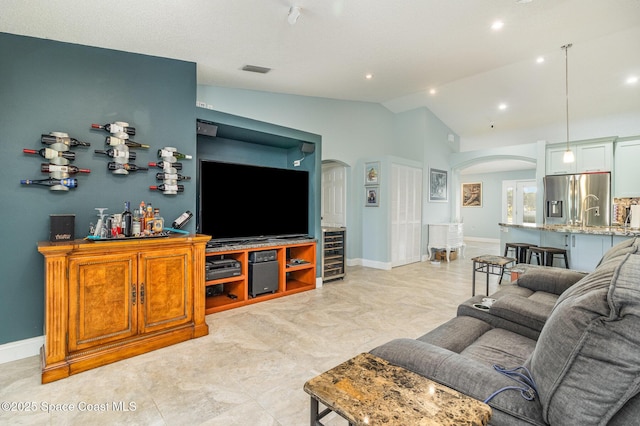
(410, 46)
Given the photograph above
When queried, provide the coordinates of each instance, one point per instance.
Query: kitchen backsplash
(620, 206)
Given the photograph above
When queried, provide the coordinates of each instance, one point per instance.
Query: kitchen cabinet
(626, 175)
(106, 301)
(589, 157)
(587, 250)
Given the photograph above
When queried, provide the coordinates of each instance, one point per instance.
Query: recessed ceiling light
(502, 106)
(497, 25)
(540, 59)
(632, 79)
(432, 91)
(368, 76)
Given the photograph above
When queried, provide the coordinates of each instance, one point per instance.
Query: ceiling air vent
(255, 68)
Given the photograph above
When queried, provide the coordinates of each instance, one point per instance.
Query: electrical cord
(528, 388)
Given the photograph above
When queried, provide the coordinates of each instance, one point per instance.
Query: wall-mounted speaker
(308, 148)
(206, 128)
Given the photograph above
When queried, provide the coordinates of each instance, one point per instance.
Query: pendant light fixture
(568, 154)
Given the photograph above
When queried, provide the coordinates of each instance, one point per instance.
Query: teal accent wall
(50, 86)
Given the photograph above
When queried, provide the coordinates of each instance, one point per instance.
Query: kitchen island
(585, 245)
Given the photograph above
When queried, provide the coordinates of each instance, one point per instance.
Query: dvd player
(222, 268)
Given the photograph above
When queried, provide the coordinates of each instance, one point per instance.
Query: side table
(489, 265)
(367, 390)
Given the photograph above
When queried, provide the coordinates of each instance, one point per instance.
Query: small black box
(62, 227)
(262, 256)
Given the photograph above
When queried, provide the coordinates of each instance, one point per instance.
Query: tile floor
(251, 367)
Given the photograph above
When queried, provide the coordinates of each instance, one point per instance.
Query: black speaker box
(308, 148)
(206, 128)
(263, 278)
(62, 227)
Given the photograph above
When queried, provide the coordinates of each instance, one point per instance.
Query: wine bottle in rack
(49, 153)
(162, 153)
(68, 182)
(163, 164)
(70, 169)
(66, 140)
(171, 176)
(182, 220)
(114, 141)
(130, 167)
(117, 127)
(166, 188)
(117, 153)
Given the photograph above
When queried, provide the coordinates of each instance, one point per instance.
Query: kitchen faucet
(584, 217)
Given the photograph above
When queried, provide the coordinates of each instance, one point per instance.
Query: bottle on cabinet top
(182, 220)
(114, 141)
(163, 164)
(112, 165)
(70, 169)
(49, 153)
(117, 127)
(117, 153)
(68, 182)
(127, 220)
(177, 155)
(66, 140)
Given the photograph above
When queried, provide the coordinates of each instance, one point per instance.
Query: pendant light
(568, 154)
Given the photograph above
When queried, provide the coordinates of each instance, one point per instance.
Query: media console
(294, 266)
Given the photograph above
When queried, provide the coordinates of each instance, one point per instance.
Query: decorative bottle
(49, 153)
(182, 220)
(117, 127)
(163, 164)
(52, 139)
(70, 169)
(67, 182)
(130, 167)
(162, 153)
(166, 188)
(114, 141)
(171, 176)
(117, 153)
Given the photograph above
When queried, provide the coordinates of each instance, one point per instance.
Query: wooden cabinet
(296, 273)
(626, 174)
(333, 253)
(590, 156)
(106, 301)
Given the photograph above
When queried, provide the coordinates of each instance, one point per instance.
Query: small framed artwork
(472, 194)
(372, 173)
(372, 196)
(438, 185)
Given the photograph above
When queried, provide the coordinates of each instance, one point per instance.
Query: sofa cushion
(456, 335)
(527, 311)
(587, 363)
(620, 249)
(549, 280)
(501, 347)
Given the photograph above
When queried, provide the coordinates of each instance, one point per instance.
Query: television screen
(238, 201)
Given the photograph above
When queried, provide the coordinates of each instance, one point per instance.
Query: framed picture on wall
(472, 194)
(372, 173)
(438, 185)
(372, 194)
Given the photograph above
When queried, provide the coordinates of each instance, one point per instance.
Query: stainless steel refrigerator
(579, 199)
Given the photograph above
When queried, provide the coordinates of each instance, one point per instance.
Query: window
(519, 201)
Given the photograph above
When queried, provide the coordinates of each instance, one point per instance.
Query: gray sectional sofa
(572, 338)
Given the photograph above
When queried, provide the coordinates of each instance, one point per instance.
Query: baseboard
(20, 349)
(376, 265)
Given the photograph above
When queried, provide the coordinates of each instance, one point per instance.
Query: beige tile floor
(251, 367)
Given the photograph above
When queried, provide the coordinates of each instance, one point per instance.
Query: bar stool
(548, 254)
(519, 251)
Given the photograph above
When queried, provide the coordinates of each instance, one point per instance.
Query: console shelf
(296, 273)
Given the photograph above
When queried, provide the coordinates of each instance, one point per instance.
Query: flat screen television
(239, 201)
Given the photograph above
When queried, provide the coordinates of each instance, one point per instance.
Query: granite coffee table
(367, 390)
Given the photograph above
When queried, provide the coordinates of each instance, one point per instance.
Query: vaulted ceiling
(409, 47)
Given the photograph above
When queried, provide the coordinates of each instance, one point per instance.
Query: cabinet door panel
(166, 300)
(101, 305)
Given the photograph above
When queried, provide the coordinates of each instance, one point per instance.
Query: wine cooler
(333, 253)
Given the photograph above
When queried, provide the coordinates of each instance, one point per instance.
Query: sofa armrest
(521, 310)
(550, 280)
(465, 375)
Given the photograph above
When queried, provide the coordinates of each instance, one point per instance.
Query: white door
(334, 195)
(406, 214)
(519, 201)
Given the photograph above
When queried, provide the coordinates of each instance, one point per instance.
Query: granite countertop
(368, 390)
(569, 229)
(213, 247)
